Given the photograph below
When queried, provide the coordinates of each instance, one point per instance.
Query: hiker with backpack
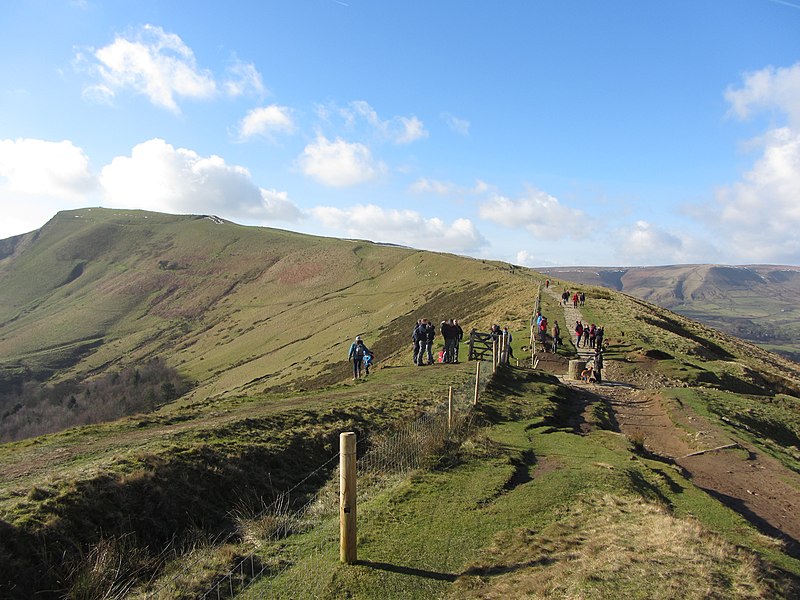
(357, 353)
(578, 333)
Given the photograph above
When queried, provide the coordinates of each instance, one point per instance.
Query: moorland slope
(550, 489)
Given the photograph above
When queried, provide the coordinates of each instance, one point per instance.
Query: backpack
(358, 352)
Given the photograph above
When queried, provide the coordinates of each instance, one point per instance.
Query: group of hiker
(591, 335)
(578, 298)
(422, 340)
(424, 333)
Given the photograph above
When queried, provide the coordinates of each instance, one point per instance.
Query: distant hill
(233, 309)
(758, 303)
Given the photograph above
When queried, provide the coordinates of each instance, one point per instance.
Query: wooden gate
(481, 345)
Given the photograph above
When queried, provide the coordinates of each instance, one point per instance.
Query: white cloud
(459, 126)
(759, 216)
(399, 130)
(37, 178)
(644, 243)
(404, 227)
(424, 185)
(432, 186)
(42, 168)
(526, 259)
(768, 88)
(538, 212)
(339, 163)
(242, 78)
(267, 121)
(153, 63)
(158, 177)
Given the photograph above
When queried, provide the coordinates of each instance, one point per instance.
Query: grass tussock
(614, 547)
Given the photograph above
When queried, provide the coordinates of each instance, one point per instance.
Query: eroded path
(735, 472)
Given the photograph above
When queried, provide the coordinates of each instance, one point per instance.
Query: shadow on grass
(382, 566)
(791, 545)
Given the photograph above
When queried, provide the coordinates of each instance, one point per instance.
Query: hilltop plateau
(174, 387)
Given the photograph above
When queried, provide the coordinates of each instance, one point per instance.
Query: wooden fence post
(450, 409)
(494, 355)
(477, 381)
(347, 498)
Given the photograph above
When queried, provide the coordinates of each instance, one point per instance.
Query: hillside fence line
(385, 458)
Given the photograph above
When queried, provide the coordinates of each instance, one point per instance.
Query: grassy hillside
(541, 493)
(757, 303)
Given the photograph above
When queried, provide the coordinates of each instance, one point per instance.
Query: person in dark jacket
(598, 365)
(459, 335)
(419, 337)
(430, 334)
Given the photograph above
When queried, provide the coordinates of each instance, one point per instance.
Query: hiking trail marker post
(477, 383)
(347, 498)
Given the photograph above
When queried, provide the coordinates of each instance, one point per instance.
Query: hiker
(547, 284)
(565, 297)
(447, 334)
(598, 337)
(357, 352)
(582, 298)
(418, 337)
(507, 336)
(575, 300)
(543, 331)
(578, 333)
(369, 358)
(430, 334)
(598, 365)
(592, 335)
(458, 337)
(586, 337)
(556, 336)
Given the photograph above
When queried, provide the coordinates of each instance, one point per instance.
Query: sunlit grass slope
(233, 308)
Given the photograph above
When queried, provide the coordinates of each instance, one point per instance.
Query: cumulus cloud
(267, 122)
(760, 214)
(158, 177)
(160, 66)
(405, 227)
(339, 163)
(42, 168)
(644, 243)
(37, 177)
(769, 88)
(538, 212)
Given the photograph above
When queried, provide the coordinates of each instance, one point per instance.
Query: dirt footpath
(741, 476)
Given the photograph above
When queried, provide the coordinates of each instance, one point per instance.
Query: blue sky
(628, 132)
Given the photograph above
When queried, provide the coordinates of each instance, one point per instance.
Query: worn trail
(740, 475)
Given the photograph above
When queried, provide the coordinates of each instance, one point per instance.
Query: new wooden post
(347, 498)
(477, 381)
(494, 355)
(450, 409)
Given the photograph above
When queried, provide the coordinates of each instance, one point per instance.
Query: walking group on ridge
(422, 338)
(578, 298)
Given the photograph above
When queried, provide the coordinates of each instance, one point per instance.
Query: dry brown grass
(613, 548)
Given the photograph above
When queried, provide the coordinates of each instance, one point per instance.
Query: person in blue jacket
(357, 353)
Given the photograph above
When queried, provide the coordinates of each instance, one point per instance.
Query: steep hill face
(757, 303)
(233, 308)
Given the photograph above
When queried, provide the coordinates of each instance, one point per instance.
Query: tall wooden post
(450, 409)
(477, 381)
(347, 498)
(494, 354)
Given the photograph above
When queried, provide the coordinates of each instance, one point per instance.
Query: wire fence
(417, 444)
